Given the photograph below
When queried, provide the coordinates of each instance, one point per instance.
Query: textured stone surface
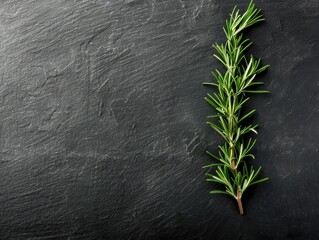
(103, 128)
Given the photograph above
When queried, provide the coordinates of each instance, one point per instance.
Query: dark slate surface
(103, 128)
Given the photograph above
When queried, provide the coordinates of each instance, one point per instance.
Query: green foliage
(228, 101)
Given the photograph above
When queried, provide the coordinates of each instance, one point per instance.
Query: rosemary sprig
(231, 95)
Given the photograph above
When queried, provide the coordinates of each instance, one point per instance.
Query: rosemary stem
(233, 161)
(240, 205)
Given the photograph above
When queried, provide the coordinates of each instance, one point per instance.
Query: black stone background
(103, 131)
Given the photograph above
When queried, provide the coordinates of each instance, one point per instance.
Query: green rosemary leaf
(262, 69)
(218, 129)
(210, 83)
(213, 116)
(224, 63)
(241, 104)
(213, 165)
(247, 115)
(219, 192)
(215, 180)
(250, 155)
(256, 83)
(212, 155)
(259, 181)
(256, 91)
(211, 102)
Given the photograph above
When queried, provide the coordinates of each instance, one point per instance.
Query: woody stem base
(240, 205)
